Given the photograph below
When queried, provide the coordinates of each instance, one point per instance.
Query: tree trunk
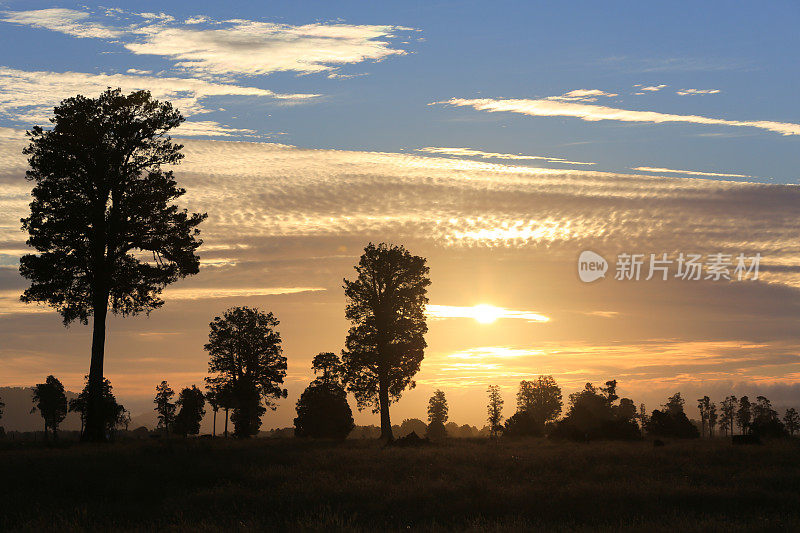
(95, 425)
(214, 425)
(386, 424)
(226, 422)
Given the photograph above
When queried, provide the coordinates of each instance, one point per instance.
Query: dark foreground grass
(359, 485)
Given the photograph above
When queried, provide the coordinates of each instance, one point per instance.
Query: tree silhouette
(766, 422)
(2, 406)
(791, 420)
(51, 402)
(437, 415)
(494, 410)
(671, 421)
(386, 341)
(192, 405)
(539, 400)
(213, 401)
(322, 410)
(247, 362)
(113, 414)
(712, 419)
(744, 414)
(728, 414)
(101, 201)
(593, 415)
(164, 406)
(704, 405)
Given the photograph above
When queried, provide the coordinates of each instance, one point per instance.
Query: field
(360, 485)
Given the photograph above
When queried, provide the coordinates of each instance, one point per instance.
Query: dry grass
(358, 485)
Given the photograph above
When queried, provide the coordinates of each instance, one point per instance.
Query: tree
(2, 405)
(704, 406)
(540, 399)
(192, 404)
(766, 422)
(322, 410)
(386, 341)
(495, 410)
(712, 419)
(113, 414)
(51, 402)
(728, 415)
(437, 415)
(593, 415)
(164, 406)
(744, 414)
(247, 362)
(671, 421)
(642, 417)
(213, 400)
(102, 200)
(791, 420)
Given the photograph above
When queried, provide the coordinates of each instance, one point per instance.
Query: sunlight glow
(483, 313)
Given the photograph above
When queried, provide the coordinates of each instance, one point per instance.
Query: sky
(498, 142)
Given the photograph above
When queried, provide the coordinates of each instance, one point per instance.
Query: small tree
(728, 415)
(712, 419)
(495, 410)
(322, 410)
(671, 421)
(540, 398)
(192, 405)
(791, 420)
(642, 417)
(213, 402)
(437, 415)
(248, 364)
(114, 414)
(51, 402)
(164, 406)
(386, 341)
(102, 206)
(704, 406)
(744, 414)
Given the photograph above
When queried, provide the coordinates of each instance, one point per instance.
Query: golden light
(486, 314)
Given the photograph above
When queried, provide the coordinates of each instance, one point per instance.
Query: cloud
(582, 95)
(67, 21)
(691, 172)
(651, 88)
(589, 112)
(29, 96)
(481, 313)
(204, 293)
(467, 152)
(226, 47)
(686, 92)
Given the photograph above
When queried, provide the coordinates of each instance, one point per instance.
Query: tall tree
(642, 417)
(541, 399)
(712, 419)
(728, 415)
(247, 362)
(213, 401)
(744, 414)
(103, 219)
(192, 408)
(792, 420)
(704, 406)
(437, 415)
(164, 406)
(114, 414)
(51, 402)
(495, 410)
(386, 341)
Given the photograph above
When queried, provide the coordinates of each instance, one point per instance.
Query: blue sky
(436, 51)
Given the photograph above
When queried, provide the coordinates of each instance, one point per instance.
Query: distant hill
(17, 414)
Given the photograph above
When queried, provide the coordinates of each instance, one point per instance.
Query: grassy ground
(358, 485)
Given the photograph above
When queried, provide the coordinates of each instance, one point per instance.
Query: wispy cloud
(590, 112)
(652, 88)
(582, 95)
(687, 92)
(29, 96)
(690, 172)
(469, 152)
(224, 47)
(481, 313)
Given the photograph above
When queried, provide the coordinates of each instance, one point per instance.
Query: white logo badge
(591, 266)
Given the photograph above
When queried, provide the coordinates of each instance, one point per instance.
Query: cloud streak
(470, 152)
(594, 113)
(690, 172)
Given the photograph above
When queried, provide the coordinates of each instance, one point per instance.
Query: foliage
(191, 403)
(102, 205)
(323, 411)
(51, 402)
(671, 421)
(744, 415)
(437, 408)
(247, 364)
(495, 410)
(728, 415)
(164, 406)
(114, 414)
(386, 341)
(593, 414)
(540, 398)
(522, 424)
(436, 430)
(766, 422)
(791, 420)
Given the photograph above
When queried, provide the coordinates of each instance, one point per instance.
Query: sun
(486, 314)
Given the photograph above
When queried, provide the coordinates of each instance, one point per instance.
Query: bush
(323, 412)
(671, 424)
(522, 424)
(436, 431)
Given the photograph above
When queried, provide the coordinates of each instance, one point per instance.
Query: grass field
(359, 485)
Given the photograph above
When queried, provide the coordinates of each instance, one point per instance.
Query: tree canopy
(50, 400)
(191, 409)
(386, 341)
(103, 220)
(114, 414)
